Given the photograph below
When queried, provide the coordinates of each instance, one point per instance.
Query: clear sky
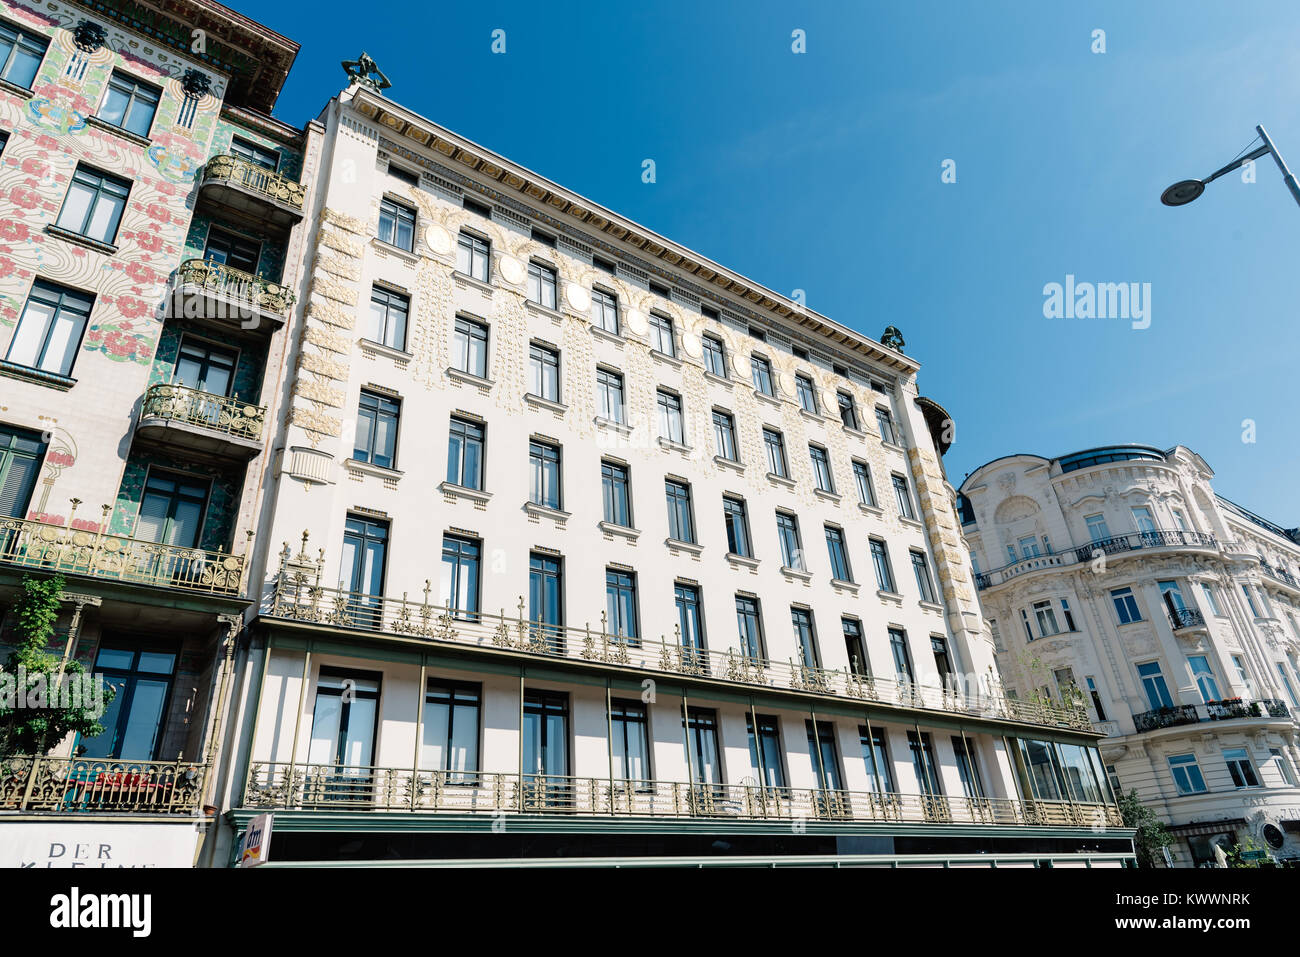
(822, 171)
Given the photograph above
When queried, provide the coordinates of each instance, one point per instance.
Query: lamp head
(1182, 193)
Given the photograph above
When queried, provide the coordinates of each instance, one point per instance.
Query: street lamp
(1183, 192)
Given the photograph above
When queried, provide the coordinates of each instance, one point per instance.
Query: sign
(95, 844)
(256, 845)
(1252, 855)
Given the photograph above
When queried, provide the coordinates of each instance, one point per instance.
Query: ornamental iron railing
(1186, 618)
(220, 413)
(1224, 710)
(249, 293)
(81, 785)
(1117, 545)
(257, 179)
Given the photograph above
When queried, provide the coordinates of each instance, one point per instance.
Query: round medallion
(637, 322)
(512, 270)
(691, 345)
(578, 296)
(740, 363)
(438, 238)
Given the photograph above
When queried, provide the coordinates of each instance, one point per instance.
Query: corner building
(581, 546)
(1118, 578)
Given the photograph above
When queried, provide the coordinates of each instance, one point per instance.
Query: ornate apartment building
(148, 206)
(1118, 578)
(576, 544)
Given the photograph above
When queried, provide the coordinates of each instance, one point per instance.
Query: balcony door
(546, 750)
(171, 510)
(133, 720)
(231, 250)
(342, 736)
(21, 453)
(546, 598)
(205, 367)
(365, 549)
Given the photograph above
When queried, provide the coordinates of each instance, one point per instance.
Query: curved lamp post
(1184, 191)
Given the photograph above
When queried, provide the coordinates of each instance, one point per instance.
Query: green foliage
(25, 730)
(1237, 856)
(1151, 834)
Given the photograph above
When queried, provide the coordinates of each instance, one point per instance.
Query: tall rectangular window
(1126, 606)
(903, 497)
(724, 435)
(541, 285)
(690, 621)
(942, 660)
(620, 604)
(1095, 695)
(473, 255)
(875, 753)
(715, 356)
(21, 454)
(226, 248)
(129, 104)
(134, 719)
(765, 751)
(376, 441)
(544, 474)
(805, 392)
(1143, 519)
(968, 769)
(839, 554)
(775, 448)
(94, 204)
(885, 422)
(387, 320)
(365, 556)
(396, 224)
(700, 726)
(50, 328)
(546, 748)
(1250, 600)
(848, 410)
(880, 559)
(825, 760)
(805, 636)
(1204, 675)
(681, 527)
(20, 55)
(923, 763)
(761, 370)
(460, 575)
(1286, 684)
(733, 514)
(546, 597)
(257, 155)
(469, 347)
(921, 570)
(604, 311)
(661, 335)
(1098, 530)
(544, 372)
(749, 626)
(1211, 599)
(862, 477)
(451, 722)
(1187, 774)
(630, 742)
(855, 648)
(821, 466)
(670, 416)
(1240, 767)
(465, 454)
(609, 395)
(1046, 615)
(787, 529)
(1153, 683)
(614, 491)
(902, 657)
(172, 508)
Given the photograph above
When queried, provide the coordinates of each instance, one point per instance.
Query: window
(1024, 620)
(855, 648)
(260, 155)
(1286, 684)
(469, 347)
(1172, 595)
(661, 335)
(1097, 527)
(231, 250)
(1142, 519)
(680, 526)
(787, 529)
(544, 474)
(1282, 766)
(1180, 519)
(715, 356)
(862, 476)
(546, 239)
(472, 257)
(478, 209)
(1211, 599)
(749, 626)
(839, 555)
(544, 372)
(620, 604)
(388, 313)
(663, 292)
(1126, 606)
(614, 490)
(465, 454)
(459, 584)
(365, 556)
(902, 657)
(546, 597)
(546, 748)
(880, 559)
(20, 55)
(604, 310)
(670, 416)
(805, 393)
(875, 753)
(848, 410)
(631, 740)
(94, 204)
(541, 284)
(1153, 683)
(129, 104)
(805, 636)
(885, 421)
(609, 394)
(1250, 600)
(1187, 774)
(942, 660)
(134, 719)
(821, 465)
(1239, 766)
(775, 448)
(923, 763)
(903, 497)
(724, 435)
(451, 719)
(1046, 616)
(761, 371)
(376, 441)
(922, 572)
(700, 727)
(604, 265)
(1204, 676)
(733, 514)
(1244, 676)
(826, 764)
(21, 453)
(967, 768)
(765, 751)
(396, 224)
(50, 328)
(1069, 618)
(1096, 697)
(689, 620)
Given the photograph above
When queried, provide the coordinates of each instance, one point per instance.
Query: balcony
(1120, 545)
(1226, 710)
(37, 546)
(1184, 618)
(285, 786)
(253, 193)
(1279, 574)
(180, 417)
(228, 298)
(81, 786)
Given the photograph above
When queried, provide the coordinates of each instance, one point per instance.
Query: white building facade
(578, 545)
(1118, 578)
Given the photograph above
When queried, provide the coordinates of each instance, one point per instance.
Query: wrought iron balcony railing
(245, 292)
(1117, 545)
(57, 548)
(1225, 710)
(219, 413)
(1279, 573)
(257, 179)
(1181, 618)
(298, 598)
(1169, 717)
(81, 785)
(286, 786)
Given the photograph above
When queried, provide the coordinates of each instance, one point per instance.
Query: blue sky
(822, 171)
